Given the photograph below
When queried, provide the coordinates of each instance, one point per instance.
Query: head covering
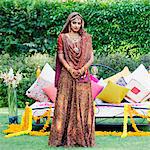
(71, 17)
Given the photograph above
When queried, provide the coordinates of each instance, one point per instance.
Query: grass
(26, 142)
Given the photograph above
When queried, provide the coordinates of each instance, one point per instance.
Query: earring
(69, 28)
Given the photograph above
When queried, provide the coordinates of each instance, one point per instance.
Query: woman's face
(76, 25)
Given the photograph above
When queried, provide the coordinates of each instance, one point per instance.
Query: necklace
(76, 49)
(74, 38)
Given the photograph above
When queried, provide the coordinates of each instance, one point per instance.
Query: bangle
(85, 68)
(69, 68)
(80, 71)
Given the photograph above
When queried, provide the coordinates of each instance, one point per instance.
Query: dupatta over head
(78, 60)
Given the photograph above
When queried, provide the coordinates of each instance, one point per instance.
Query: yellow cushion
(125, 72)
(113, 93)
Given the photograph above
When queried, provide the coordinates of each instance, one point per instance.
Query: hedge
(33, 25)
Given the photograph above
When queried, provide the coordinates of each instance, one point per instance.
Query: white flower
(11, 79)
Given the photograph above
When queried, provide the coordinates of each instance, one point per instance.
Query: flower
(10, 78)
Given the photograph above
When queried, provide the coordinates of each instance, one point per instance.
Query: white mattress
(101, 109)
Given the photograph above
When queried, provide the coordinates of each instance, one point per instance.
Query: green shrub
(27, 65)
(118, 62)
(116, 26)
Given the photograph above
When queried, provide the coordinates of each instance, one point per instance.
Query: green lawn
(26, 142)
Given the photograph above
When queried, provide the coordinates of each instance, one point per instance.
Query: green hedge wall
(33, 25)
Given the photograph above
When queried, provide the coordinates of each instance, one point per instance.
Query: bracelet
(85, 68)
(69, 68)
(80, 71)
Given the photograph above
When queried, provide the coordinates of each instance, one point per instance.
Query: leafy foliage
(27, 65)
(32, 25)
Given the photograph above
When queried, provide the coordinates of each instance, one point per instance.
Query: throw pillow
(48, 73)
(137, 91)
(123, 73)
(113, 93)
(50, 91)
(121, 82)
(35, 91)
(96, 89)
(141, 75)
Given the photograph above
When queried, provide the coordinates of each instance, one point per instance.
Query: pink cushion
(50, 91)
(93, 78)
(96, 89)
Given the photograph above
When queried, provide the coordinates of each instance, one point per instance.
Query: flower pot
(12, 105)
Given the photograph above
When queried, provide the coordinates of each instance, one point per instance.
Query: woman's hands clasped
(76, 73)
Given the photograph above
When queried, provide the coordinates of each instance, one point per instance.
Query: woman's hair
(70, 18)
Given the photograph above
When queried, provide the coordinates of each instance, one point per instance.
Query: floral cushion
(35, 91)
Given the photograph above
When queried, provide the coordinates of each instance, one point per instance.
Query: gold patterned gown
(73, 120)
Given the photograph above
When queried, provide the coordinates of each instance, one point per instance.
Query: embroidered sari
(73, 119)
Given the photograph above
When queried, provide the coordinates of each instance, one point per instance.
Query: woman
(73, 121)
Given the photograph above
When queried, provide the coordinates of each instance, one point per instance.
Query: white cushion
(146, 98)
(125, 72)
(102, 82)
(141, 75)
(48, 73)
(137, 91)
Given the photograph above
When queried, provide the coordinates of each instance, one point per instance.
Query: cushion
(141, 75)
(92, 77)
(101, 82)
(46, 77)
(50, 91)
(137, 91)
(98, 101)
(146, 98)
(96, 89)
(48, 73)
(35, 91)
(123, 73)
(113, 93)
(121, 82)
